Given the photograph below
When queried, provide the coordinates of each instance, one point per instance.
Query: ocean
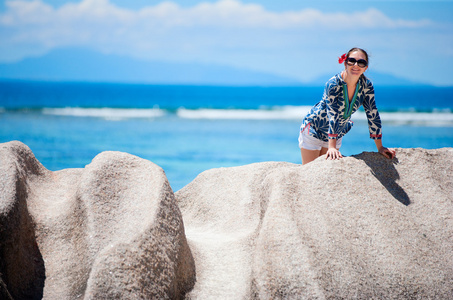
(189, 129)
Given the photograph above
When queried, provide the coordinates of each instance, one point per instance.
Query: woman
(329, 120)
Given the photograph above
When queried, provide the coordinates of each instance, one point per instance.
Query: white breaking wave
(106, 113)
(435, 118)
(411, 118)
(276, 113)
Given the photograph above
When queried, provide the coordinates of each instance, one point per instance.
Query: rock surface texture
(363, 227)
(111, 230)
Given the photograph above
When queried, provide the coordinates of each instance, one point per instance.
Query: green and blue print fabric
(330, 118)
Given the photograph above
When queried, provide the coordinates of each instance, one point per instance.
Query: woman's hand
(387, 152)
(333, 153)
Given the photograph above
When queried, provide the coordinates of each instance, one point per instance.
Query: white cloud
(232, 13)
(226, 32)
(222, 14)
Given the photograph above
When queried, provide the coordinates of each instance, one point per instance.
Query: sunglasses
(361, 62)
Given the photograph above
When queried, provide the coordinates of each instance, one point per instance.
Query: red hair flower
(342, 58)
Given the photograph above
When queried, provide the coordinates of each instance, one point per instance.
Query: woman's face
(355, 70)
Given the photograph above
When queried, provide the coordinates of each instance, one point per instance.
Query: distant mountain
(85, 65)
(75, 64)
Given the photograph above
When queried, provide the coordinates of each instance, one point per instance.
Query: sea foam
(434, 118)
(274, 113)
(106, 113)
(411, 118)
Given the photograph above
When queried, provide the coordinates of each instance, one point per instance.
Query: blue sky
(297, 39)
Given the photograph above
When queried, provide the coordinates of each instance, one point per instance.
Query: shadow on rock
(22, 271)
(385, 171)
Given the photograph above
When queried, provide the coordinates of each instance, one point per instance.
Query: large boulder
(361, 227)
(111, 230)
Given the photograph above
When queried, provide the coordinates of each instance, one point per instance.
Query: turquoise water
(186, 130)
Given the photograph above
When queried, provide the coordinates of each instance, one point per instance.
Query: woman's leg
(309, 155)
(323, 151)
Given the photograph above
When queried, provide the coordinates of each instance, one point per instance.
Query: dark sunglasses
(361, 62)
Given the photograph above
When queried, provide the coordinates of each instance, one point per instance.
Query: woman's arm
(371, 111)
(374, 122)
(333, 106)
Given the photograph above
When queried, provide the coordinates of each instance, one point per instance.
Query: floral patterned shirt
(330, 118)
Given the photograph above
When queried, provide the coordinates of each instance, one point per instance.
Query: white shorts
(309, 142)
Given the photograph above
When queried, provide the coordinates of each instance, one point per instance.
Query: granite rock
(110, 230)
(363, 227)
